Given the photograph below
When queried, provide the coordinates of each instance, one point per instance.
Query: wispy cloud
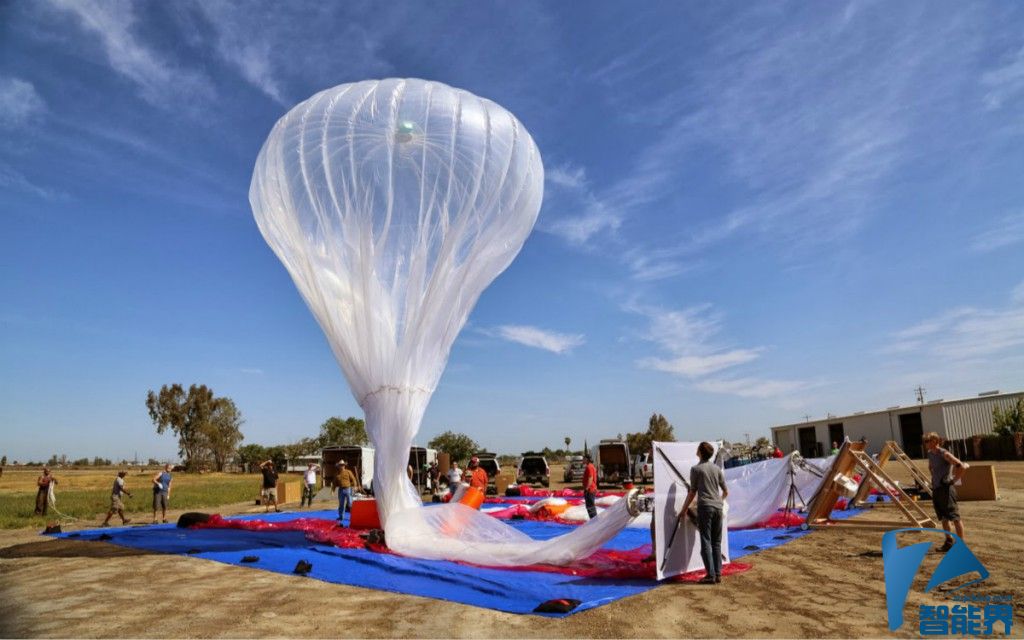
(1005, 82)
(753, 387)
(1004, 233)
(966, 334)
(19, 102)
(583, 214)
(693, 352)
(539, 338)
(157, 77)
(11, 178)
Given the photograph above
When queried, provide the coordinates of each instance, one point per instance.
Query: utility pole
(920, 394)
(748, 439)
(807, 418)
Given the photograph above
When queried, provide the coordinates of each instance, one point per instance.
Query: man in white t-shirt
(454, 477)
(309, 484)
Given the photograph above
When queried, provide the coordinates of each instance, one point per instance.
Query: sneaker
(718, 579)
(104, 524)
(126, 521)
(706, 580)
(165, 522)
(946, 546)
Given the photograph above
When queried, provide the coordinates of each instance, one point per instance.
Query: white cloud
(752, 387)
(966, 334)
(113, 22)
(695, 366)
(689, 338)
(539, 338)
(567, 176)
(19, 102)
(1006, 232)
(11, 178)
(1017, 295)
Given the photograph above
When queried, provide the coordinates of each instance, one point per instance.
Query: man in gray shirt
(707, 485)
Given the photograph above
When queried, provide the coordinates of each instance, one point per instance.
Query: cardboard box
(502, 480)
(979, 483)
(290, 491)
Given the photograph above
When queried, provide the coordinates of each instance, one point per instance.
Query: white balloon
(393, 204)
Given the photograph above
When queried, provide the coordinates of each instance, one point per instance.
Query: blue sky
(752, 213)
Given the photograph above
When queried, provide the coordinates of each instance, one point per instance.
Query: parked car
(574, 469)
(611, 458)
(643, 468)
(533, 469)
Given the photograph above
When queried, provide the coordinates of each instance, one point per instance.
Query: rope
(394, 388)
(51, 498)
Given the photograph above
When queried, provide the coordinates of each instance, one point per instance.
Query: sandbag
(191, 519)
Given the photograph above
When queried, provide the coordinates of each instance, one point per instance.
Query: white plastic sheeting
(393, 204)
(669, 496)
(758, 490)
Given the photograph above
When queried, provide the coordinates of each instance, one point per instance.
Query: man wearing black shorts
(946, 470)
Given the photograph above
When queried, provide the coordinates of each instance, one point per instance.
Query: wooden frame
(891, 450)
(851, 459)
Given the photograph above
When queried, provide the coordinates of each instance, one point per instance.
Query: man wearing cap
(590, 485)
(478, 477)
(346, 483)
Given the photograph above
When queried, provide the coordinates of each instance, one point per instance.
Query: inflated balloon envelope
(393, 204)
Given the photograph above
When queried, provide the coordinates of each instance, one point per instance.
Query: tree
(278, 456)
(457, 445)
(3, 461)
(198, 418)
(1011, 420)
(568, 441)
(251, 455)
(350, 431)
(762, 442)
(223, 432)
(658, 430)
(81, 462)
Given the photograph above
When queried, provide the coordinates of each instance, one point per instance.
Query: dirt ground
(828, 584)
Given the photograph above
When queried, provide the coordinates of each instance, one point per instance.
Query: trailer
(611, 460)
(358, 459)
(420, 459)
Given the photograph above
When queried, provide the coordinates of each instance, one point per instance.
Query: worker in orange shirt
(590, 485)
(478, 477)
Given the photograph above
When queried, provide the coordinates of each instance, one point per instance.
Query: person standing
(43, 493)
(589, 485)
(346, 484)
(309, 484)
(116, 504)
(946, 470)
(777, 453)
(454, 477)
(478, 477)
(707, 485)
(434, 478)
(269, 491)
(835, 449)
(162, 492)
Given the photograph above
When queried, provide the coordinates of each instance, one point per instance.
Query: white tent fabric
(393, 204)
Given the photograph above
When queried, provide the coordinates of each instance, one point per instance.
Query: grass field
(85, 494)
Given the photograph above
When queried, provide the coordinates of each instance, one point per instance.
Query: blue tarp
(500, 589)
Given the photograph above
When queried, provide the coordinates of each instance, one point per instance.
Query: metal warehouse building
(952, 419)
